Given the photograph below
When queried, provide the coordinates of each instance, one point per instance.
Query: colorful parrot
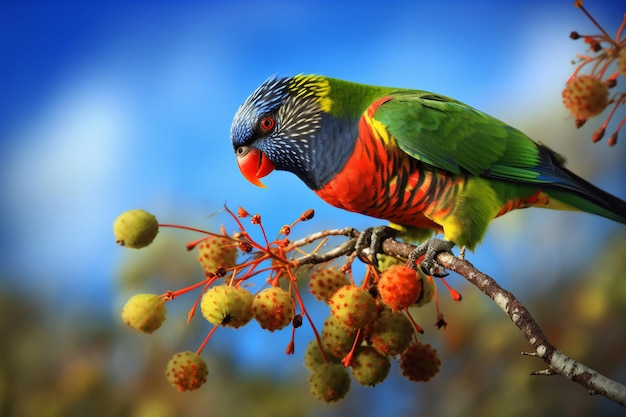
(424, 162)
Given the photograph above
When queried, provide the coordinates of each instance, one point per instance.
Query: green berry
(369, 367)
(144, 312)
(419, 362)
(390, 333)
(216, 252)
(186, 371)
(224, 305)
(353, 306)
(337, 339)
(135, 229)
(428, 290)
(329, 382)
(399, 287)
(313, 356)
(326, 281)
(273, 308)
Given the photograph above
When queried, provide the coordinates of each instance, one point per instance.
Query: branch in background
(558, 362)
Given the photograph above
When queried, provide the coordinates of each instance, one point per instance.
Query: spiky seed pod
(325, 282)
(273, 308)
(329, 382)
(585, 96)
(428, 290)
(186, 371)
(390, 333)
(144, 312)
(217, 252)
(369, 367)
(337, 339)
(419, 362)
(353, 306)
(621, 61)
(224, 305)
(313, 356)
(135, 228)
(399, 287)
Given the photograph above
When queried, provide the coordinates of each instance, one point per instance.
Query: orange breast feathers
(380, 180)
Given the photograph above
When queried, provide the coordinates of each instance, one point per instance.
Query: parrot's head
(280, 126)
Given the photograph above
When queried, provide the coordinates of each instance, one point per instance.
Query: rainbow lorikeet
(422, 161)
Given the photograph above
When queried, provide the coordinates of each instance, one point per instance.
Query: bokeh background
(109, 106)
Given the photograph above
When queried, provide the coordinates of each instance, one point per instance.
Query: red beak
(254, 164)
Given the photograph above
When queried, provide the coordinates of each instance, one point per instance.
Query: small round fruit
(390, 333)
(419, 362)
(313, 356)
(135, 229)
(144, 312)
(353, 306)
(325, 281)
(585, 96)
(186, 371)
(329, 382)
(273, 308)
(428, 290)
(224, 305)
(399, 287)
(216, 252)
(369, 367)
(337, 339)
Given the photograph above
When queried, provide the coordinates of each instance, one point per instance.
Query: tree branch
(558, 362)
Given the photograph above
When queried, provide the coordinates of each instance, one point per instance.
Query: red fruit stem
(193, 308)
(306, 313)
(206, 339)
(456, 296)
(417, 327)
(347, 360)
(608, 37)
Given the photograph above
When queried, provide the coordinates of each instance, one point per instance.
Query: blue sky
(108, 106)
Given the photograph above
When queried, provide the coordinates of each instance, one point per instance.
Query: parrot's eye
(267, 123)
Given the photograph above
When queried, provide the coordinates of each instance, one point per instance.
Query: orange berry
(399, 287)
(585, 96)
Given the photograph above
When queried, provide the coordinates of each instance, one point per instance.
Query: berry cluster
(587, 95)
(369, 323)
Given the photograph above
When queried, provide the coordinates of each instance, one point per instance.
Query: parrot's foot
(429, 250)
(372, 240)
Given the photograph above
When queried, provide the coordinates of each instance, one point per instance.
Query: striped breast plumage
(382, 181)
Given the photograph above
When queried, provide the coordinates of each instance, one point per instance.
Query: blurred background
(109, 106)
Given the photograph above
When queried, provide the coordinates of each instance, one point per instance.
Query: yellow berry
(135, 228)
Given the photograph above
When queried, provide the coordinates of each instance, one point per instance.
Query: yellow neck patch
(313, 86)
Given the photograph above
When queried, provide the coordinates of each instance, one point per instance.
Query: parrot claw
(429, 250)
(371, 241)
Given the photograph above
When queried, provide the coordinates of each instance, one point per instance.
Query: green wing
(452, 136)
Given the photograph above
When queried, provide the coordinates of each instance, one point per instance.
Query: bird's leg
(372, 239)
(429, 250)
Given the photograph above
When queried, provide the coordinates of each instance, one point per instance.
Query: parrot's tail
(582, 195)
